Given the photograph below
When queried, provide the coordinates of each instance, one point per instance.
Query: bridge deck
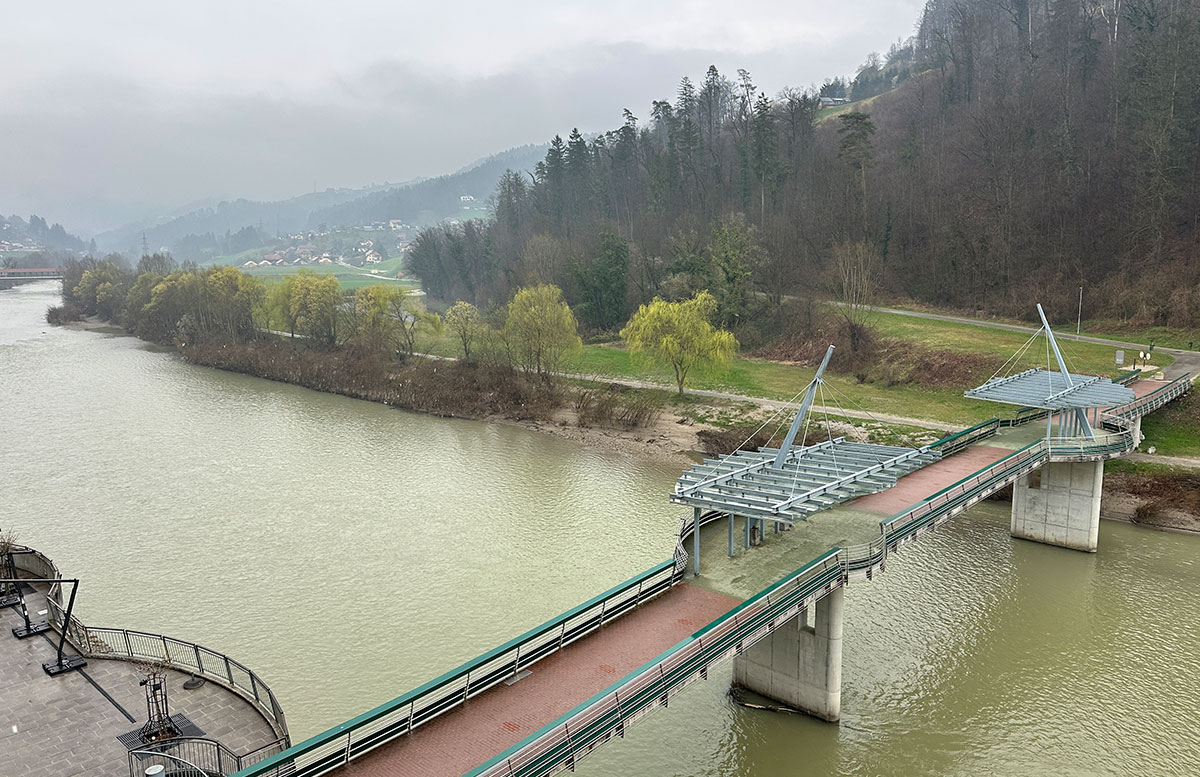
(460, 740)
(914, 487)
(1143, 386)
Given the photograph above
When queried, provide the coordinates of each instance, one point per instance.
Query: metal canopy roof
(808, 479)
(1053, 390)
(1061, 390)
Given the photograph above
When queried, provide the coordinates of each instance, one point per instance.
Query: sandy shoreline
(665, 440)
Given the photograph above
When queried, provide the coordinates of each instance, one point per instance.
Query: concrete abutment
(800, 665)
(1060, 504)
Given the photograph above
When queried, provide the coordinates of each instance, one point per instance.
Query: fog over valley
(133, 110)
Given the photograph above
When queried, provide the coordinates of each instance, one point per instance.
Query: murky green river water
(348, 552)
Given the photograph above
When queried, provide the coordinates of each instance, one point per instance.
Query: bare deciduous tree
(855, 286)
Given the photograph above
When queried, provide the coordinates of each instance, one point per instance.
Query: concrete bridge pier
(1059, 504)
(798, 664)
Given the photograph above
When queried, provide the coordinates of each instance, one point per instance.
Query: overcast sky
(125, 109)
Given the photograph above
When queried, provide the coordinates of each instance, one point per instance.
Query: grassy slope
(1175, 429)
(1161, 336)
(349, 278)
(1084, 357)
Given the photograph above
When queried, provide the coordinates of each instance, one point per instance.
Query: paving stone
(66, 727)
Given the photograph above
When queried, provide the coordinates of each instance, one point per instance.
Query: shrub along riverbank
(447, 388)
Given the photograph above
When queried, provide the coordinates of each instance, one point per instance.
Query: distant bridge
(542, 701)
(31, 274)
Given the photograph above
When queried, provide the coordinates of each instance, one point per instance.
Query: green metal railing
(561, 744)
(953, 443)
(343, 743)
(1156, 399)
(956, 497)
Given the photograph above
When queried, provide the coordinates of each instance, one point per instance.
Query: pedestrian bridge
(31, 274)
(542, 701)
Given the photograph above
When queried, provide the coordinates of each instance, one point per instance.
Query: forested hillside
(232, 227)
(430, 200)
(191, 234)
(1024, 151)
(17, 234)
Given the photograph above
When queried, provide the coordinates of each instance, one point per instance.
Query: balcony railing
(100, 642)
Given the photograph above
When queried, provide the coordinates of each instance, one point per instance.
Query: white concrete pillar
(800, 665)
(1060, 505)
(1137, 432)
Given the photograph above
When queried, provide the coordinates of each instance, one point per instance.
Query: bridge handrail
(1125, 378)
(564, 742)
(574, 735)
(577, 733)
(1155, 399)
(360, 734)
(931, 507)
(126, 644)
(1024, 415)
(955, 442)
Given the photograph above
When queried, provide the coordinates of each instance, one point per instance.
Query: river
(348, 552)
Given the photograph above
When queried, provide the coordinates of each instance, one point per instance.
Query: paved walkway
(1171, 461)
(914, 487)
(773, 404)
(1145, 386)
(68, 725)
(491, 723)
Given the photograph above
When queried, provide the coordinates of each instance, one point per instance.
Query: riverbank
(1145, 495)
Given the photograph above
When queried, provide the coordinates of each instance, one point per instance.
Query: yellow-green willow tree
(679, 335)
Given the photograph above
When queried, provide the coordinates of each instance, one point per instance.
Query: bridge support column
(1060, 505)
(1137, 432)
(800, 665)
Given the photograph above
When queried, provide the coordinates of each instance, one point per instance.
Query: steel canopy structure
(786, 484)
(811, 478)
(1053, 390)
(1070, 394)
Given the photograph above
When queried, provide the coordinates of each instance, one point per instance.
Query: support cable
(1014, 359)
(829, 431)
(785, 406)
(872, 416)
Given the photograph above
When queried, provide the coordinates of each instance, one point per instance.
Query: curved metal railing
(1156, 399)
(126, 644)
(209, 756)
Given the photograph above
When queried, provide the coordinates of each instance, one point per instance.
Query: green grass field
(1161, 336)
(772, 380)
(1109, 329)
(1087, 358)
(349, 278)
(1175, 429)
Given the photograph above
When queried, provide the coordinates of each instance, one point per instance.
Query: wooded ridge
(1021, 150)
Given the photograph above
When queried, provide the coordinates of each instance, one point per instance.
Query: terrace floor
(68, 725)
